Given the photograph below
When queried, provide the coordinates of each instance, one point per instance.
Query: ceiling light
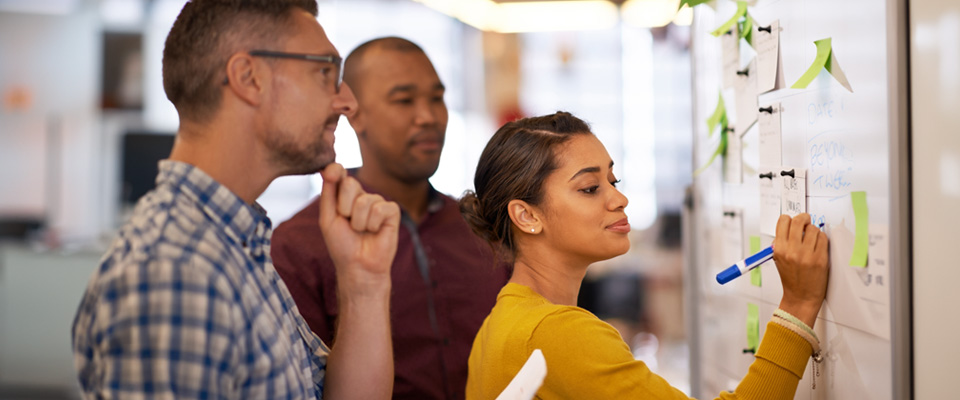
(684, 16)
(530, 16)
(649, 13)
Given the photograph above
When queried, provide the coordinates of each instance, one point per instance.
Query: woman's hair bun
(472, 210)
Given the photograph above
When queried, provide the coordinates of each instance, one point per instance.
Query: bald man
(445, 280)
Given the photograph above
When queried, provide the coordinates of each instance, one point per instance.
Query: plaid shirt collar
(244, 223)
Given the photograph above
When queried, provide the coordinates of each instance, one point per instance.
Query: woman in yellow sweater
(546, 197)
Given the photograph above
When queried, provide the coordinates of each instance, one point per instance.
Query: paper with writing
(730, 48)
(769, 199)
(733, 159)
(732, 235)
(793, 192)
(746, 92)
(767, 45)
(771, 152)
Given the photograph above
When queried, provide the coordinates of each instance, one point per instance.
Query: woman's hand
(801, 253)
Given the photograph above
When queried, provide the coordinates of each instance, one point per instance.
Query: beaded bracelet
(787, 316)
(797, 326)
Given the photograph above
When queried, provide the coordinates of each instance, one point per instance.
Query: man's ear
(524, 216)
(246, 78)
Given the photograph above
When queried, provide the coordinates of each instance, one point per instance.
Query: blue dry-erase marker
(745, 265)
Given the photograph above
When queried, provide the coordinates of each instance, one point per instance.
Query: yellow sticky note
(754, 249)
(824, 47)
(753, 326)
(861, 241)
(719, 116)
(741, 11)
(690, 3)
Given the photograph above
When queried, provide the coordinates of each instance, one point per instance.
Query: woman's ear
(524, 216)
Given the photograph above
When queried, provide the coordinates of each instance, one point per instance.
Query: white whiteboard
(847, 142)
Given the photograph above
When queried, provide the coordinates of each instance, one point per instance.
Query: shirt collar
(242, 221)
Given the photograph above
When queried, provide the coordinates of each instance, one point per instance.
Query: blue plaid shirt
(187, 304)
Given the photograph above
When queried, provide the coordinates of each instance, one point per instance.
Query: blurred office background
(83, 120)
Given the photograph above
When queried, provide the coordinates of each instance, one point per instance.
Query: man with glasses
(445, 279)
(187, 303)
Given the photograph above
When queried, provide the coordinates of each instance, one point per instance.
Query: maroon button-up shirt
(445, 282)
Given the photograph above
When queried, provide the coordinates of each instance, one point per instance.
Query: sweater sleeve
(587, 358)
(778, 368)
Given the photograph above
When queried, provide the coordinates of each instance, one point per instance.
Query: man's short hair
(351, 65)
(206, 34)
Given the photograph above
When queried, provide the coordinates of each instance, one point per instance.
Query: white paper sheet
(769, 199)
(525, 384)
(837, 72)
(730, 47)
(732, 235)
(746, 92)
(733, 159)
(876, 276)
(771, 150)
(793, 193)
(767, 44)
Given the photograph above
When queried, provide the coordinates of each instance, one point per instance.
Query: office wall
(49, 145)
(935, 101)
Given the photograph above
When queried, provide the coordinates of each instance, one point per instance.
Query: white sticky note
(746, 92)
(771, 152)
(733, 159)
(769, 200)
(793, 191)
(732, 235)
(730, 48)
(767, 44)
(876, 277)
(834, 68)
(525, 384)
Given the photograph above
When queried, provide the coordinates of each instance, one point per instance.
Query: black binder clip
(744, 72)
(791, 173)
(764, 29)
(768, 110)
(768, 175)
(729, 214)
(751, 351)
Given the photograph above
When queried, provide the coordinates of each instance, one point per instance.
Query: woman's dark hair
(516, 161)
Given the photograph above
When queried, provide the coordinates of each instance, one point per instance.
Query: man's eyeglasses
(336, 61)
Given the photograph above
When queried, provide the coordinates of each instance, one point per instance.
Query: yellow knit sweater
(587, 359)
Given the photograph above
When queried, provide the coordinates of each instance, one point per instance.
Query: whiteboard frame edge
(901, 300)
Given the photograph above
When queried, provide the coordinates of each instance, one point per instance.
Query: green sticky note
(719, 114)
(746, 29)
(861, 240)
(824, 48)
(721, 149)
(754, 249)
(753, 326)
(691, 3)
(741, 11)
